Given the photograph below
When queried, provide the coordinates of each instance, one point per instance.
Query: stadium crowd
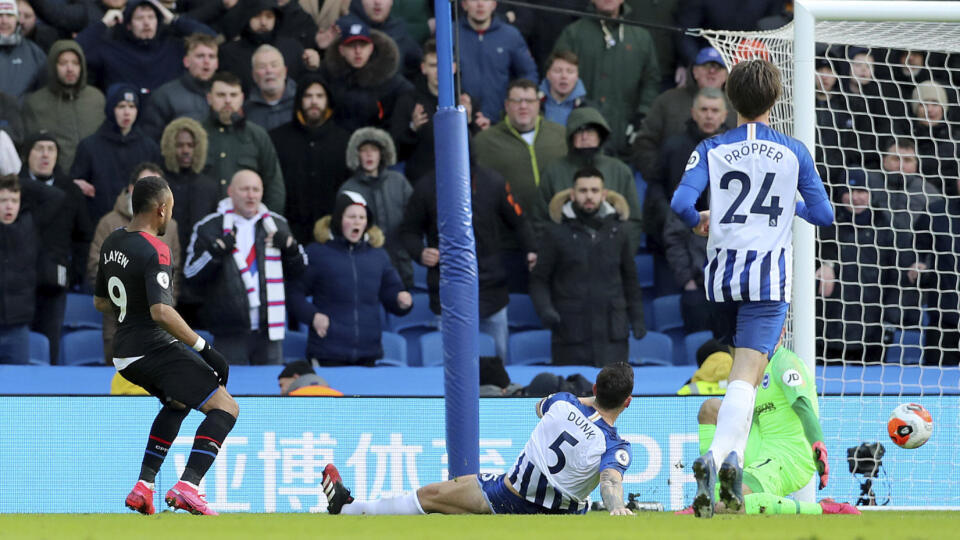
(297, 138)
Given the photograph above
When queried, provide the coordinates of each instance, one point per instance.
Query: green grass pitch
(595, 525)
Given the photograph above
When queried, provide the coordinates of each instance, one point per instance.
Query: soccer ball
(910, 425)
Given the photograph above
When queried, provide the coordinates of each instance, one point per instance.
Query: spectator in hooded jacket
(271, 99)
(377, 14)
(21, 60)
(187, 94)
(492, 53)
(19, 247)
(362, 71)
(67, 107)
(370, 152)
(142, 46)
(561, 89)
(312, 176)
(65, 235)
(263, 26)
(106, 159)
(349, 278)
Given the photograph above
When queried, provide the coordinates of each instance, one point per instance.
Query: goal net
(886, 313)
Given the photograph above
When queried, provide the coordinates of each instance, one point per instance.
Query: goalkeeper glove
(823, 466)
(216, 361)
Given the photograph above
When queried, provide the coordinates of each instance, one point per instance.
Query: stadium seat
(531, 347)
(420, 278)
(907, 347)
(655, 349)
(692, 342)
(294, 346)
(431, 348)
(39, 349)
(82, 348)
(418, 317)
(641, 185)
(521, 315)
(646, 273)
(666, 313)
(80, 314)
(394, 350)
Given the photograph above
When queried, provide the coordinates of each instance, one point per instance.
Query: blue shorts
(752, 325)
(504, 501)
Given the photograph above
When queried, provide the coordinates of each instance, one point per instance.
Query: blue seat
(394, 350)
(526, 348)
(420, 278)
(431, 348)
(521, 315)
(82, 348)
(294, 346)
(692, 342)
(418, 317)
(907, 347)
(666, 313)
(641, 185)
(39, 349)
(646, 273)
(80, 314)
(655, 349)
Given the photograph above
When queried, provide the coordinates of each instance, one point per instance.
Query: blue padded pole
(458, 265)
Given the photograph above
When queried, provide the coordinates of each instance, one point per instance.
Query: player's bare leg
(461, 495)
(221, 410)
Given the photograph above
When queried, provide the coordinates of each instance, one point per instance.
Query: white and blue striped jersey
(560, 465)
(754, 173)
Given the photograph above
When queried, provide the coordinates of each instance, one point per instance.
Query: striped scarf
(273, 273)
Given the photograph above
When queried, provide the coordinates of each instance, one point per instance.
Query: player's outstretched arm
(611, 491)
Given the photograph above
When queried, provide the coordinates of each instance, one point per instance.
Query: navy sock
(206, 444)
(164, 430)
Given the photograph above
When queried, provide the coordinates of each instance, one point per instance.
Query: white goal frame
(806, 13)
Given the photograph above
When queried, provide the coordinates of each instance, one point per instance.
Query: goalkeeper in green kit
(785, 446)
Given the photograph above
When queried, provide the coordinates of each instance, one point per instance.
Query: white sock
(405, 505)
(149, 485)
(733, 421)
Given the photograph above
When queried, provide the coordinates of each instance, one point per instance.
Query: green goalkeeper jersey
(784, 381)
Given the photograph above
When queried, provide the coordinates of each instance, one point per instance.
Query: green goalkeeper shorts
(780, 469)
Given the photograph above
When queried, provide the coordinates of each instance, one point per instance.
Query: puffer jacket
(69, 113)
(348, 283)
(19, 249)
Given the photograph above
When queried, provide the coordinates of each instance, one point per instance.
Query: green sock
(768, 503)
(706, 432)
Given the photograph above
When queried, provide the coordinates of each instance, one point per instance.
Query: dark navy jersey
(134, 273)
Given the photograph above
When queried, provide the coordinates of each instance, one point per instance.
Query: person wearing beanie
(584, 285)
(21, 60)
(142, 44)
(67, 107)
(299, 379)
(105, 160)
(370, 153)
(349, 277)
(312, 178)
(935, 135)
(65, 235)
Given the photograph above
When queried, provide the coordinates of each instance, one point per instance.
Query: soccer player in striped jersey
(573, 449)
(754, 173)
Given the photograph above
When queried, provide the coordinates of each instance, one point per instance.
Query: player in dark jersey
(134, 280)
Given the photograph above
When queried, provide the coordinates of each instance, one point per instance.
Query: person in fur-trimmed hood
(584, 285)
(349, 277)
(369, 152)
(184, 149)
(362, 69)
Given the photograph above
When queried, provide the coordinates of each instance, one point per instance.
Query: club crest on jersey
(792, 377)
(163, 279)
(766, 381)
(622, 457)
(692, 162)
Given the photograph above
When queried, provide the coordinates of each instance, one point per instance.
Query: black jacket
(415, 147)
(585, 289)
(225, 308)
(235, 56)
(19, 245)
(489, 200)
(196, 195)
(313, 164)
